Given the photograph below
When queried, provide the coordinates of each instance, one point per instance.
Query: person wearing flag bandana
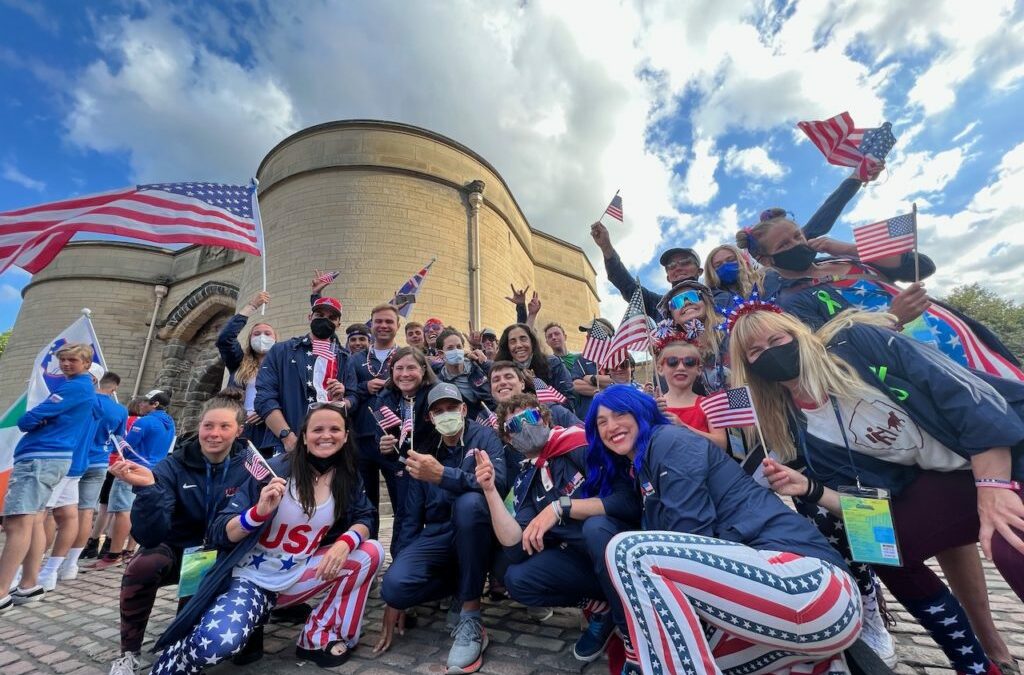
(175, 501)
(725, 577)
(304, 533)
(862, 405)
(554, 541)
(446, 540)
(302, 370)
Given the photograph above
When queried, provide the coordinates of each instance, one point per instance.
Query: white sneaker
(49, 581)
(67, 572)
(874, 633)
(126, 664)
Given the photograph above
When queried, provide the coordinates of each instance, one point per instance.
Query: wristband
(997, 483)
(351, 538)
(255, 517)
(815, 491)
(558, 511)
(245, 524)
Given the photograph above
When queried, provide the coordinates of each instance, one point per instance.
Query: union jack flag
(889, 237)
(386, 417)
(487, 417)
(633, 333)
(615, 208)
(596, 346)
(412, 287)
(730, 408)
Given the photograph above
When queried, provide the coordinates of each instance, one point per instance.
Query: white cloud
(753, 162)
(699, 187)
(965, 131)
(12, 173)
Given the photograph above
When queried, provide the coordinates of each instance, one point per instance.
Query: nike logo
(542, 498)
(186, 486)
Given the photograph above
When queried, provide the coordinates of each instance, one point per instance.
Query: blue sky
(688, 108)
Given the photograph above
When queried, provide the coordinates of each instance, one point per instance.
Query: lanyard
(215, 489)
(802, 433)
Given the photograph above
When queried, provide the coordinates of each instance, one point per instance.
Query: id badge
(867, 519)
(545, 479)
(195, 563)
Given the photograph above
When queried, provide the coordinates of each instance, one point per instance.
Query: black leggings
(145, 574)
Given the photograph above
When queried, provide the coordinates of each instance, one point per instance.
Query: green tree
(1004, 317)
(4, 337)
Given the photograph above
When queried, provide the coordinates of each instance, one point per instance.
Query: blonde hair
(821, 374)
(79, 349)
(711, 339)
(749, 275)
(251, 361)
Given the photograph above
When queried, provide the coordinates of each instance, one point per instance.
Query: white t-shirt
(877, 428)
(382, 354)
(277, 561)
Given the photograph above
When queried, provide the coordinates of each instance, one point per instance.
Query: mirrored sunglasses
(515, 424)
(683, 299)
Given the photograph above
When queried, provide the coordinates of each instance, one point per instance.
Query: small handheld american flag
(615, 208)
(327, 277)
(549, 395)
(633, 333)
(888, 237)
(730, 408)
(256, 465)
(386, 418)
(596, 346)
(487, 417)
(123, 448)
(406, 425)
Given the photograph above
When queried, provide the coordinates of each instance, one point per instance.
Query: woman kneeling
(304, 532)
(719, 550)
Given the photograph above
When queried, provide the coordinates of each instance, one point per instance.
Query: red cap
(433, 321)
(325, 302)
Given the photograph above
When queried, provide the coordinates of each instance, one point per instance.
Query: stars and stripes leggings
(697, 604)
(226, 626)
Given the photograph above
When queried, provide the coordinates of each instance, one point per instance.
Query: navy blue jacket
(582, 369)
(473, 383)
(360, 399)
(690, 486)
(54, 428)
(189, 492)
(231, 352)
(360, 512)
(428, 507)
(152, 436)
(423, 433)
(568, 474)
(967, 411)
(562, 416)
(285, 381)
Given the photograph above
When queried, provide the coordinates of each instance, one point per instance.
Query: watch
(565, 501)
(284, 433)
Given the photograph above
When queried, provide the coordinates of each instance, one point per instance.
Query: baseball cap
(442, 391)
(97, 371)
(433, 322)
(357, 329)
(327, 303)
(673, 252)
(489, 332)
(158, 396)
(585, 328)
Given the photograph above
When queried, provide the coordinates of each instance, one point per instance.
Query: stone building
(374, 200)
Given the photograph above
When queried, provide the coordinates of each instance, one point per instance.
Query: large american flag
(615, 208)
(633, 333)
(843, 144)
(212, 214)
(598, 340)
(730, 408)
(412, 287)
(888, 237)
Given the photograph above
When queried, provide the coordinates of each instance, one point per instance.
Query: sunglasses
(673, 264)
(329, 405)
(683, 299)
(688, 361)
(515, 424)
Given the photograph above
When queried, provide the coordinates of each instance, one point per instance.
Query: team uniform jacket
(53, 429)
(152, 436)
(360, 399)
(110, 418)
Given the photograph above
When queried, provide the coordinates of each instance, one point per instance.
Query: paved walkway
(75, 630)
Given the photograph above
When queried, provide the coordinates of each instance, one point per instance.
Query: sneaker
(539, 614)
(6, 603)
(108, 560)
(452, 617)
(105, 549)
(591, 644)
(467, 652)
(48, 582)
(126, 664)
(91, 549)
(874, 633)
(27, 596)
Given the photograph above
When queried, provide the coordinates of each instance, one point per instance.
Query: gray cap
(442, 391)
(489, 332)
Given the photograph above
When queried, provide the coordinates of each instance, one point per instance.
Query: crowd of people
(520, 469)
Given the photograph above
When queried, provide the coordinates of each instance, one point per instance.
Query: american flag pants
(226, 626)
(697, 604)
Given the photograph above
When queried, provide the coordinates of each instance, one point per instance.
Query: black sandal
(326, 658)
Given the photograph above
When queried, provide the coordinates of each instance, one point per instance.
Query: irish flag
(45, 376)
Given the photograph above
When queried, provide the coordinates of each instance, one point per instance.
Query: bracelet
(351, 538)
(245, 524)
(815, 491)
(996, 483)
(255, 517)
(557, 508)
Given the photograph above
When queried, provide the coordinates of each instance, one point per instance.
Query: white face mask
(454, 357)
(448, 423)
(261, 344)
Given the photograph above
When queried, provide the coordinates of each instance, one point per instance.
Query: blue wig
(603, 465)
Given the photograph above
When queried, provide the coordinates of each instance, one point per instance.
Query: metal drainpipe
(476, 200)
(160, 292)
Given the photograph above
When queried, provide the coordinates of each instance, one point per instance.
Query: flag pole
(650, 347)
(260, 458)
(258, 219)
(917, 262)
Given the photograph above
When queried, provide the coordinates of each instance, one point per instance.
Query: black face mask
(778, 364)
(321, 328)
(795, 259)
(323, 464)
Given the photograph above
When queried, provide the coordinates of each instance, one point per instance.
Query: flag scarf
(888, 237)
(730, 408)
(211, 214)
(633, 333)
(44, 378)
(843, 144)
(412, 287)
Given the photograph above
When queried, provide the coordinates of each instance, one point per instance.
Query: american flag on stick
(843, 144)
(123, 448)
(487, 417)
(615, 207)
(256, 465)
(596, 345)
(327, 277)
(386, 418)
(888, 237)
(633, 333)
(211, 214)
(548, 395)
(730, 408)
(406, 431)
(411, 287)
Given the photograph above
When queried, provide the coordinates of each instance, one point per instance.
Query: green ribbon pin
(881, 372)
(831, 305)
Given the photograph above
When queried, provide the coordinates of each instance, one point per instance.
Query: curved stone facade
(374, 200)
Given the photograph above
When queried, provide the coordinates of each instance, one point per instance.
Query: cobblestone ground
(75, 630)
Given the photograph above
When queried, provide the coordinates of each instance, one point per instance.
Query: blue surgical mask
(454, 357)
(728, 272)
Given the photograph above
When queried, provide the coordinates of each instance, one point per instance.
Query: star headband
(668, 332)
(741, 306)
